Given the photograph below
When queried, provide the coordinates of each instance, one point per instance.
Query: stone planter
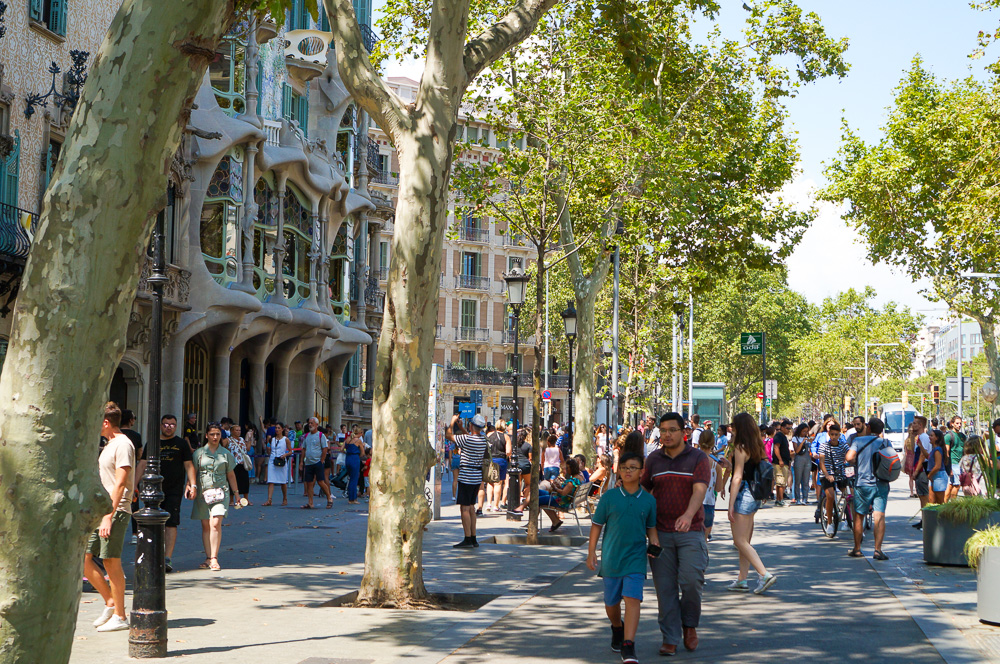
(987, 586)
(944, 541)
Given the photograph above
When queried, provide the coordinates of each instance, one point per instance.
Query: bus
(897, 418)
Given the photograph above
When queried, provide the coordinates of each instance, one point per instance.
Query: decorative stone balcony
(305, 54)
(175, 292)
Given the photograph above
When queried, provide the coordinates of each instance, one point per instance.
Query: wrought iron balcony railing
(472, 334)
(17, 227)
(473, 282)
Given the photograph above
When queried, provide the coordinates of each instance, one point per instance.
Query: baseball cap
(479, 421)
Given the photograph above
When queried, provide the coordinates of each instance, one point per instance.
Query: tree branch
(486, 47)
(358, 74)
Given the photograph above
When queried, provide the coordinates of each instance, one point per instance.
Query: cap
(479, 421)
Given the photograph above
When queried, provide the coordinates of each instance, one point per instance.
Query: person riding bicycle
(831, 466)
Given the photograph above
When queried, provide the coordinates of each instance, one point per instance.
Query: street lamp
(148, 624)
(569, 321)
(867, 346)
(517, 282)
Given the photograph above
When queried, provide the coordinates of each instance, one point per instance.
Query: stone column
(315, 253)
(281, 390)
(337, 366)
(370, 365)
(257, 385)
(324, 259)
(220, 384)
(250, 210)
(279, 246)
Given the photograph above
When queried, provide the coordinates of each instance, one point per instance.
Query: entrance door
(119, 389)
(244, 391)
(269, 390)
(196, 386)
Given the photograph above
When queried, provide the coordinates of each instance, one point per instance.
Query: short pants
(467, 494)
(456, 461)
(955, 479)
(709, 515)
(874, 497)
(745, 502)
(827, 484)
(172, 504)
(112, 546)
(921, 484)
(616, 587)
(780, 476)
(313, 472)
(502, 463)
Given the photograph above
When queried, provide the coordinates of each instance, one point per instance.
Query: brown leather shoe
(668, 649)
(690, 638)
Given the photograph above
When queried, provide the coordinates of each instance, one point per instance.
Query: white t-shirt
(651, 446)
(710, 494)
(925, 442)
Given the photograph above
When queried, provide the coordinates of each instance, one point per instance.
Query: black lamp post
(569, 321)
(517, 281)
(148, 622)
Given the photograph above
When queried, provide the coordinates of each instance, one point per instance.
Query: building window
(383, 255)
(49, 162)
(298, 16)
(471, 263)
(4, 119)
(226, 72)
(50, 13)
(514, 362)
(472, 134)
(3, 351)
(295, 108)
(469, 310)
(219, 231)
(467, 359)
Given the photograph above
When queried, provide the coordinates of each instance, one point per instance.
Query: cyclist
(831, 465)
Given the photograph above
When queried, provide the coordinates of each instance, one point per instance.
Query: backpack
(886, 465)
(761, 480)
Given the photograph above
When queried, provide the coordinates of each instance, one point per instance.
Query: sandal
(855, 553)
(284, 503)
(880, 556)
(307, 507)
(214, 566)
(206, 564)
(329, 505)
(267, 504)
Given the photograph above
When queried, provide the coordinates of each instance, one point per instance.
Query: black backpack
(761, 480)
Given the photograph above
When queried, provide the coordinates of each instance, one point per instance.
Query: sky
(884, 37)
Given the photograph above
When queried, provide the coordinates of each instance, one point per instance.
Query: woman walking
(214, 466)
(938, 468)
(238, 447)
(352, 461)
(278, 469)
(748, 451)
(909, 456)
(801, 464)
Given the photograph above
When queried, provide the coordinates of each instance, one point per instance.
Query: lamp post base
(147, 636)
(513, 495)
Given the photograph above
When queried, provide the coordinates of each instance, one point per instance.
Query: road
(281, 565)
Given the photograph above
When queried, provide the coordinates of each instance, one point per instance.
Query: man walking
(955, 442)
(782, 456)
(177, 470)
(191, 432)
(677, 475)
(116, 465)
(316, 447)
(472, 448)
(869, 491)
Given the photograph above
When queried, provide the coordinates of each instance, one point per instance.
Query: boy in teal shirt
(629, 512)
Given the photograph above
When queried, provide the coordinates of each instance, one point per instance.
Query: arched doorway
(119, 389)
(269, 390)
(196, 382)
(244, 391)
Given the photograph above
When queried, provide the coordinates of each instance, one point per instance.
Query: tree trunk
(73, 309)
(536, 438)
(585, 372)
(402, 455)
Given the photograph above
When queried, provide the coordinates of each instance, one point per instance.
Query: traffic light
(936, 394)
(759, 404)
(847, 403)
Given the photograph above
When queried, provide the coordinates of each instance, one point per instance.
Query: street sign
(951, 389)
(476, 396)
(767, 402)
(546, 395)
(771, 389)
(760, 395)
(466, 409)
(751, 343)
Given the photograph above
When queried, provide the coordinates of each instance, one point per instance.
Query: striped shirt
(473, 449)
(671, 480)
(834, 456)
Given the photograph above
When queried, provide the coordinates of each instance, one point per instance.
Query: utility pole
(691, 354)
(614, 346)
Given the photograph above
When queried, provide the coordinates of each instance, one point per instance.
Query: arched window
(337, 262)
(265, 234)
(227, 73)
(298, 234)
(219, 229)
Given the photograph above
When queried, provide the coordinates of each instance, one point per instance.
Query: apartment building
(474, 334)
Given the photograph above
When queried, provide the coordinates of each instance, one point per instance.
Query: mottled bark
(423, 133)
(585, 372)
(73, 310)
(536, 438)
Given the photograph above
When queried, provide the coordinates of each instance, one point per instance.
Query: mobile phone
(654, 550)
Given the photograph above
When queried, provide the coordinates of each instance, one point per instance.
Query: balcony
(374, 298)
(472, 334)
(470, 233)
(383, 273)
(348, 405)
(486, 377)
(17, 227)
(368, 395)
(305, 55)
(368, 36)
(175, 291)
(515, 240)
(473, 282)
(439, 332)
(442, 281)
(389, 179)
(508, 336)
(559, 381)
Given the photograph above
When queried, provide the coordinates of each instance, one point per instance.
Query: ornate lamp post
(148, 622)
(517, 282)
(569, 321)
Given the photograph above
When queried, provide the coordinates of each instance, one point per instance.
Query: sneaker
(167, 566)
(628, 653)
(829, 529)
(114, 624)
(617, 636)
(135, 539)
(779, 503)
(479, 512)
(105, 616)
(464, 544)
(739, 586)
(764, 583)
(709, 538)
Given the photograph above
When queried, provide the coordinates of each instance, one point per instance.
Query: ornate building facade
(267, 221)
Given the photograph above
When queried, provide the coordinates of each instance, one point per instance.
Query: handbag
(279, 461)
(491, 471)
(213, 496)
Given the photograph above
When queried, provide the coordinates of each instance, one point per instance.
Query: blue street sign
(476, 396)
(546, 395)
(466, 409)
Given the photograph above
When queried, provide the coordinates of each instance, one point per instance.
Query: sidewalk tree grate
(464, 602)
(325, 660)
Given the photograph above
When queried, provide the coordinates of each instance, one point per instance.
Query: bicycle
(843, 509)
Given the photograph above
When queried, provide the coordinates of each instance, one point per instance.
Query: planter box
(986, 588)
(944, 541)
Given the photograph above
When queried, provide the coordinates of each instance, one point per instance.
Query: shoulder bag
(491, 471)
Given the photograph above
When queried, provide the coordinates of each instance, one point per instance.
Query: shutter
(260, 88)
(304, 115)
(304, 18)
(293, 15)
(324, 20)
(35, 10)
(57, 16)
(286, 101)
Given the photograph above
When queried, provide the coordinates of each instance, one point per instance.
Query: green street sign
(751, 343)
(767, 402)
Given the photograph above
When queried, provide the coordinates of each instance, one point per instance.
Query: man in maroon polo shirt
(677, 475)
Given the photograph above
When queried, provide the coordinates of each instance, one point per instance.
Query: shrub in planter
(948, 527)
(983, 553)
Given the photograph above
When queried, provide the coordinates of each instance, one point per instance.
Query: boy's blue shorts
(616, 587)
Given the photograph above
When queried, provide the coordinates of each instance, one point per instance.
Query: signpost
(951, 388)
(546, 395)
(755, 343)
(435, 435)
(466, 409)
(771, 389)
